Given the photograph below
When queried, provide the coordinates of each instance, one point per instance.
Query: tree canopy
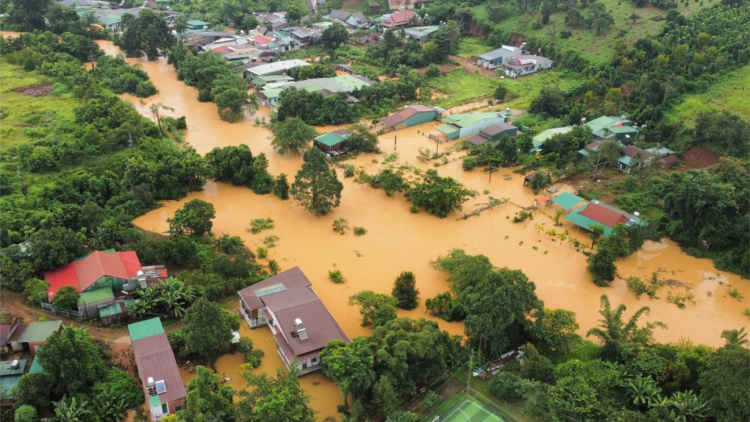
(316, 186)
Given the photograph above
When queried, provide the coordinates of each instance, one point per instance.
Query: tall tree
(368, 301)
(208, 332)
(557, 330)
(316, 186)
(279, 399)
(601, 266)
(616, 334)
(148, 34)
(333, 37)
(208, 398)
(350, 366)
(726, 382)
(500, 311)
(72, 362)
(292, 136)
(29, 14)
(438, 195)
(194, 219)
(405, 291)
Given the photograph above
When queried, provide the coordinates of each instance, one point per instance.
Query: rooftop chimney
(301, 332)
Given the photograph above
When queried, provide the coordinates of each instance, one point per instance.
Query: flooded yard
(398, 240)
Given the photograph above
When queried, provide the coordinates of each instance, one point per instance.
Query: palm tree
(551, 233)
(175, 296)
(70, 411)
(643, 390)
(613, 330)
(99, 238)
(539, 228)
(735, 338)
(687, 407)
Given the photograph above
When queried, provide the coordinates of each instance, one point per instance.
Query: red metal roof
(260, 39)
(82, 274)
(604, 215)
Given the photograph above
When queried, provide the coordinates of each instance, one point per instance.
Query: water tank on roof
(140, 273)
(150, 381)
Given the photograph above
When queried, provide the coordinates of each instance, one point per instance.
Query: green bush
(336, 276)
(26, 413)
(360, 231)
(470, 163)
(145, 89)
(262, 252)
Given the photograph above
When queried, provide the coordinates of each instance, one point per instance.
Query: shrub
(522, 216)
(636, 286)
(336, 276)
(349, 170)
(66, 298)
(360, 231)
(470, 163)
(145, 89)
(262, 252)
(260, 224)
(26, 413)
(340, 225)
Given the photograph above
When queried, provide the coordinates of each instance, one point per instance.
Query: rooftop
(404, 114)
(333, 138)
(500, 52)
(468, 119)
(82, 274)
(567, 200)
(38, 331)
(156, 360)
(497, 128)
(543, 136)
(95, 296)
(6, 367)
(147, 328)
(277, 66)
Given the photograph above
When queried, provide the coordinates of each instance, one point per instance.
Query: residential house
(663, 157)
(332, 142)
(495, 58)
(493, 133)
(33, 336)
(352, 21)
(261, 81)
(11, 372)
(406, 4)
(613, 128)
(304, 36)
(467, 124)
(567, 201)
(157, 368)
(596, 213)
(370, 39)
(542, 137)
(411, 115)
(421, 33)
(633, 157)
(324, 86)
(112, 18)
(198, 25)
(6, 332)
(400, 18)
(276, 68)
(525, 64)
(300, 323)
(543, 201)
(101, 276)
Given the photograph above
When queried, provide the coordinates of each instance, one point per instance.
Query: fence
(74, 314)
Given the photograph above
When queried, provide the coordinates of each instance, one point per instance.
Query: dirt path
(470, 66)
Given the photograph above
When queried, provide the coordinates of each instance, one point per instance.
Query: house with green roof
(333, 142)
(542, 137)
(567, 201)
(467, 124)
(34, 335)
(11, 372)
(613, 127)
(198, 25)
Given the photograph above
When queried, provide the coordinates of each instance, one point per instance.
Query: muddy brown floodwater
(398, 240)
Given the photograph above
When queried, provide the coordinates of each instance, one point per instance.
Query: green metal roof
(95, 296)
(154, 401)
(464, 120)
(36, 367)
(330, 139)
(448, 129)
(109, 310)
(6, 369)
(197, 22)
(542, 137)
(581, 220)
(567, 200)
(600, 123)
(147, 328)
(39, 331)
(6, 386)
(350, 82)
(272, 93)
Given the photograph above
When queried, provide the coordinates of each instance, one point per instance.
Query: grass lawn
(461, 88)
(23, 116)
(731, 93)
(597, 49)
(472, 47)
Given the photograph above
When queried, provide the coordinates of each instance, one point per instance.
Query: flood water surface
(398, 240)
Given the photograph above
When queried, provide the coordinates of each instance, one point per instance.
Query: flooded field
(398, 240)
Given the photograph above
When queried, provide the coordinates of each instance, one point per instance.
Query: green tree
(383, 314)
(384, 397)
(368, 301)
(70, 410)
(208, 331)
(643, 391)
(550, 102)
(500, 311)
(573, 399)
(405, 291)
(547, 9)
(333, 37)
(194, 219)
(433, 71)
(292, 136)
(615, 334)
(148, 34)
(208, 398)
(29, 14)
(350, 366)
(601, 266)
(26, 413)
(500, 92)
(55, 247)
(66, 298)
(438, 195)
(362, 139)
(181, 24)
(316, 187)
(725, 384)
(402, 416)
(557, 330)
(281, 187)
(72, 362)
(279, 399)
(36, 290)
(293, 14)
(33, 390)
(431, 400)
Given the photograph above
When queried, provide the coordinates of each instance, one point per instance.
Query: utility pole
(471, 365)
(394, 142)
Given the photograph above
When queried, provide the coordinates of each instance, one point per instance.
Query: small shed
(544, 201)
(90, 301)
(411, 115)
(35, 335)
(198, 25)
(567, 201)
(332, 141)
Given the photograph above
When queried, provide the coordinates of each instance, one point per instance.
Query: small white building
(495, 58)
(523, 65)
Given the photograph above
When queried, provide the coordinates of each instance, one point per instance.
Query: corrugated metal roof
(603, 215)
(576, 218)
(109, 310)
(468, 119)
(7, 369)
(82, 274)
(6, 386)
(144, 329)
(94, 296)
(155, 359)
(567, 200)
(36, 367)
(330, 139)
(477, 139)
(39, 331)
(448, 129)
(497, 128)
(500, 52)
(542, 137)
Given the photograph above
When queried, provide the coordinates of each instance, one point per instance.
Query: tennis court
(468, 410)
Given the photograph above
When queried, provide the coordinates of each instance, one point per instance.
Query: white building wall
(476, 127)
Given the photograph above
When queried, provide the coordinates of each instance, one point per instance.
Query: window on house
(177, 408)
(165, 408)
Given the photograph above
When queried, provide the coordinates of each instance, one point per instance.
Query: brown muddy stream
(398, 240)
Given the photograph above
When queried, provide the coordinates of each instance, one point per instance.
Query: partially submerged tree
(316, 186)
(193, 219)
(292, 136)
(368, 301)
(405, 291)
(209, 330)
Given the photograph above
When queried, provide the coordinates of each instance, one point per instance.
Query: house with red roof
(99, 277)
(400, 18)
(597, 213)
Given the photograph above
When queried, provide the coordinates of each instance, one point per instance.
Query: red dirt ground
(699, 157)
(39, 90)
